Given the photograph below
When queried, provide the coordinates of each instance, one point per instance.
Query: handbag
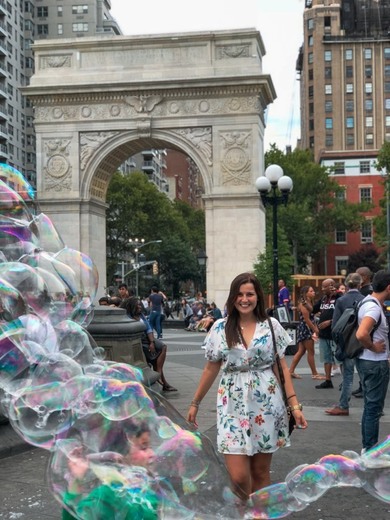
(290, 415)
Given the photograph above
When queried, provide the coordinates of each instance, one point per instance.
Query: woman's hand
(300, 420)
(191, 415)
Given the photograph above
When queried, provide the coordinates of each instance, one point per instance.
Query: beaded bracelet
(195, 403)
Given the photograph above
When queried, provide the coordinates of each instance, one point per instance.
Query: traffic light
(155, 268)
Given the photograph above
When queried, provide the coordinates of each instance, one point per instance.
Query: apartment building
(344, 68)
(22, 22)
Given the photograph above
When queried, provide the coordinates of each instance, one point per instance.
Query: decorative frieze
(55, 62)
(233, 51)
(201, 139)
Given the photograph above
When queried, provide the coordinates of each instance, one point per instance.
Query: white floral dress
(251, 414)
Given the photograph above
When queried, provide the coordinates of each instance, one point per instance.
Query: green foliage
(138, 209)
(380, 222)
(368, 256)
(314, 210)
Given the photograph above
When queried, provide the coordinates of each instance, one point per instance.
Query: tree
(380, 222)
(138, 209)
(315, 208)
(367, 256)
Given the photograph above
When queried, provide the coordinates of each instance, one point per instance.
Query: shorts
(327, 349)
(151, 358)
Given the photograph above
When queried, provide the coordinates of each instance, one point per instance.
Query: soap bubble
(117, 448)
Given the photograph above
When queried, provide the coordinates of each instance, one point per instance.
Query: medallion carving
(57, 170)
(236, 162)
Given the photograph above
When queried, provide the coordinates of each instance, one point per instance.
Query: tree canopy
(315, 209)
(138, 209)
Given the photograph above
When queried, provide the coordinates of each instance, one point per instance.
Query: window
(311, 91)
(386, 51)
(365, 194)
(42, 12)
(310, 24)
(80, 9)
(328, 89)
(368, 53)
(310, 57)
(369, 121)
(341, 194)
(328, 72)
(350, 140)
(368, 88)
(368, 71)
(387, 86)
(328, 123)
(311, 109)
(387, 70)
(42, 29)
(349, 71)
(341, 261)
(387, 120)
(340, 236)
(79, 27)
(311, 141)
(349, 88)
(60, 10)
(327, 21)
(369, 138)
(339, 168)
(328, 55)
(329, 140)
(349, 105)
(328, 106)
(364, 166)
(311, 125)
(311, 74)
(350, 122)
(366, 232)
(368, 105)
(310, 40)
(60, 28)
(348, 54)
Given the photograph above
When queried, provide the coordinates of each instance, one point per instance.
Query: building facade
(21, 23)
(344, 67)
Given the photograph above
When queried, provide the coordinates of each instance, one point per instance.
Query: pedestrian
(284, 296)
(325, 308)
(351, 297)
(252, 417)
(155, 350)
(306, 330)
(366, 288)
(373, 363)
(187, 312)
(156, 302)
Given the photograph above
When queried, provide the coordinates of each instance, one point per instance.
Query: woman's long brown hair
(232, 326)
(302, 298)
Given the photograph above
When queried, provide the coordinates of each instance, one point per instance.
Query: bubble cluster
(118, 449)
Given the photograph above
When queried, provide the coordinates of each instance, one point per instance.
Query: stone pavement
(23, 492)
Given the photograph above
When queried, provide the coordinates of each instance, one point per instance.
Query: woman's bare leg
(239, 468)
(260, 470)
(308, 344)
(297, 357)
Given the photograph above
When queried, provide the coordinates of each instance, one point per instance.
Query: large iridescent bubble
(118, 449)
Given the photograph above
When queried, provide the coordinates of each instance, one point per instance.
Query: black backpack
(344, 332)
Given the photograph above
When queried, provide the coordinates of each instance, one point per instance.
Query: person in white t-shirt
(373, 363)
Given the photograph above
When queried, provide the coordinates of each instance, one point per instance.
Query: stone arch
(111, 149)
(202, 93)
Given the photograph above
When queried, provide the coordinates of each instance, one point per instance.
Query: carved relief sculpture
(236, 163)
(201, 138)
(90, 142)
(57, 170)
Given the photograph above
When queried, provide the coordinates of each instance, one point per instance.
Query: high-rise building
(344, 67)
(22, 22)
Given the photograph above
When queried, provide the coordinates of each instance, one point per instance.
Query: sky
(278, 21)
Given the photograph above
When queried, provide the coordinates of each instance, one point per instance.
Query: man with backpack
(373, 364)
(325, 307)
(348, 300)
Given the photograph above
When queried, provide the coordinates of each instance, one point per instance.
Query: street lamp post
(202, 260)
(139, 244)
(273, 181)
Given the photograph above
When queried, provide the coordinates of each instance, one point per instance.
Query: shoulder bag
(291, 418)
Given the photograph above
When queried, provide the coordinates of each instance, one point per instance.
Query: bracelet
(195, 403)
(292, 395)
(295, 407)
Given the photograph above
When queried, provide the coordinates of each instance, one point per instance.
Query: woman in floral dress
(252, 419)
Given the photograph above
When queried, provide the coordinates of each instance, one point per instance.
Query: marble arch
(98, 101)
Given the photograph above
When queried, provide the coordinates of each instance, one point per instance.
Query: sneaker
(325, 384)
(335, 371)
(358, 395)
(357, 391)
